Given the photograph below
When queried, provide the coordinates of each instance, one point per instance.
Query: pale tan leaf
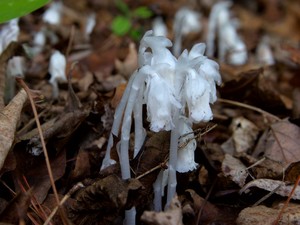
(282, 143)
(244, 134)
(277, 186)
(262, 215)
(234, 169)
(172, 216)
(9, 118)
(130, 63)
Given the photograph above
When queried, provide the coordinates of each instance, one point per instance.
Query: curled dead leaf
(9, 118)
(282, 143)
(234, 169)
(172, 216)
(103, 201)
(262, 215)
(276, 186)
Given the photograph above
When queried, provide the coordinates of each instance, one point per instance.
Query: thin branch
(26, 88)
(263, 112)
(287, 201)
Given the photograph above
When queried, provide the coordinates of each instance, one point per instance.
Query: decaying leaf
(268, 168)
(59, 133)
(235, 169)
(282, 143)
(244, 134)
(9, 118)
(103, 201)
(209, 211)
(172, 216)
(262, 215)
(130, 63)
(277, 186)
(38, 179)
(16, 209)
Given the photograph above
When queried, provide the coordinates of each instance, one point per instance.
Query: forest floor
(248, 155)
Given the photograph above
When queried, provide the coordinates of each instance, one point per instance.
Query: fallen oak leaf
(103, 201)
(13, 49)
(275, 186)
(9, 118)
(234, 169)
(262, 215)
(172, 216)
(282, 143)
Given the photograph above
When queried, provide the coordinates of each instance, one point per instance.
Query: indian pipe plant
(177, 93)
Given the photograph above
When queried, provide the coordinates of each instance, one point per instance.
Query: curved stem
(126, 126)
(139, 131)
(107, 161)
(172, 182)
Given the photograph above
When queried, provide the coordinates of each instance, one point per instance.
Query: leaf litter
(251, 157)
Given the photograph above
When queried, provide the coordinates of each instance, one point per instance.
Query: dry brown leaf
(130, 63)
(36, 173)
(86, 81)
(244, 134)
(103, 201)
(296, 103)
(282, 143)
(234, 169)
(9, 118)
(209, 211)
(279, 187)
(262, 215)
(268, 169)
(16, 210)
(172, 216)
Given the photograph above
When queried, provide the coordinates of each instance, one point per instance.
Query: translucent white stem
(107, 161)
(126, 126)
(157, 188)
(130, 216)
(139, 131)
(172, 182)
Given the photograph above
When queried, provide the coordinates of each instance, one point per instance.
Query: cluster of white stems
(177, 93)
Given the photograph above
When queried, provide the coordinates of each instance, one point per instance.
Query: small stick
(26, 88)
(287, 201)
(263, 112)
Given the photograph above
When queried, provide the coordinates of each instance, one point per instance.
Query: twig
(65, 198)
(72, 34)
(23, 85)
(287, 201)
(161, 165)
(263, 112)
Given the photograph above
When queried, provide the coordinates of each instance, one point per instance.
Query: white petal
(57, 67)
(197, 50)
(197, 92)
(186, 159)
(159, 106)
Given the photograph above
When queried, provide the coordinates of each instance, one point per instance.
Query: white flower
(210, 71)
(9, 33)
(160, 102)
(264, 53)
(39, 42)
(159, 27)
(16, 66)
(186, 159)
(159, 52)
(225, 28)
(57, 70)
(89, 25)
(53, 14)
(197, 95)
(185, 22)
